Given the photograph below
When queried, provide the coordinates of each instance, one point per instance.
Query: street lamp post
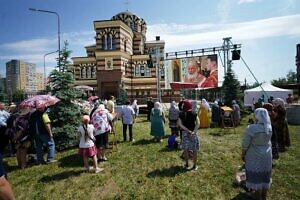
(45, 63)
(58, 28)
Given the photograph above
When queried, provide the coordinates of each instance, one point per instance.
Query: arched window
(113, 43)
(142, 70)
(93, 72)
(109, 45)
(83, 72)
(125, 45)
(104, 47)
(88, 72)
(137, 70)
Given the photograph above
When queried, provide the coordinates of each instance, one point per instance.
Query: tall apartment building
(40, 82)
(21, 75)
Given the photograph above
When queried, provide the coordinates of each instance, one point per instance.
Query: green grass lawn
(148, 170)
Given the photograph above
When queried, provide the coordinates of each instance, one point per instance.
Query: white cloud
(34, 45)
(177, 38)
(223, 9)
(246, 1)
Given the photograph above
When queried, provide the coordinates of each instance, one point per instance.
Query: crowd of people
(263, 140)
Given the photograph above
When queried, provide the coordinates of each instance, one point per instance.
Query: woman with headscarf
(101, 119)
(188, 122)
(173, 117)
(281, 125)
(270, 109)
(157, 119)
(236, 113)
(22, 137)
(135, 107)
(216, 114)
(203, 114)
(257, 154)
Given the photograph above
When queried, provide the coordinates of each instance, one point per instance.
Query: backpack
(172, 143)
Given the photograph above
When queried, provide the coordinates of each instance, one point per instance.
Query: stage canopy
(252, 95)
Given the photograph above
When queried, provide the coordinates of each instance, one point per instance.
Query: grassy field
(148, 170)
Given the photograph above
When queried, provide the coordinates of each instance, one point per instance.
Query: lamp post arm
(58, 28)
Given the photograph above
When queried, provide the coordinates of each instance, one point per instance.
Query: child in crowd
(86, 146)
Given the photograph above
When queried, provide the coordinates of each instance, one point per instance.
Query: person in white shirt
(128, 117)
(87, 147)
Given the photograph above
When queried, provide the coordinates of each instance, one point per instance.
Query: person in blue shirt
(128, 118)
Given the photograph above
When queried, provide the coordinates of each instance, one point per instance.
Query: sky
(268, 30)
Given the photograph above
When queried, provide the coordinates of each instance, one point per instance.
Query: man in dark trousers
(150, 105)
(40, 125)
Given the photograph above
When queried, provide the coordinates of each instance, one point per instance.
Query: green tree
(65, 115)
(122, 97)
(290, 78)
(18, 96)
(231, 87)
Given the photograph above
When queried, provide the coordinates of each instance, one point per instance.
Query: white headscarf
(205, 104)
(173, 104)
(194, 106)
(158, 106)
(278, 101)
(262, 116)
(134, 103)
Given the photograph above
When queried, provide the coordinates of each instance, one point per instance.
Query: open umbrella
(92, 98)
(46, 100)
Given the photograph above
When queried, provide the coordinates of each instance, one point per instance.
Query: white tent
(252, 95)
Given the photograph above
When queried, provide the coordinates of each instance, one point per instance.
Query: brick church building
(119, 58)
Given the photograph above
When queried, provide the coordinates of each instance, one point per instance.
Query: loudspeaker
(236, 54)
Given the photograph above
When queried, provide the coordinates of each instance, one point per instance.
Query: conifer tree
(65, 115)
(231, 87)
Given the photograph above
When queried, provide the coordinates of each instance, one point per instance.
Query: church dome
(136, 23)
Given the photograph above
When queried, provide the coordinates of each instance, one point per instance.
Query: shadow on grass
(167, 172)
(143, 142)
(73, 160)
(166, 149)
(222, 132)
(242, 196)
(10, 168)
(142, 121)
(60, 176)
